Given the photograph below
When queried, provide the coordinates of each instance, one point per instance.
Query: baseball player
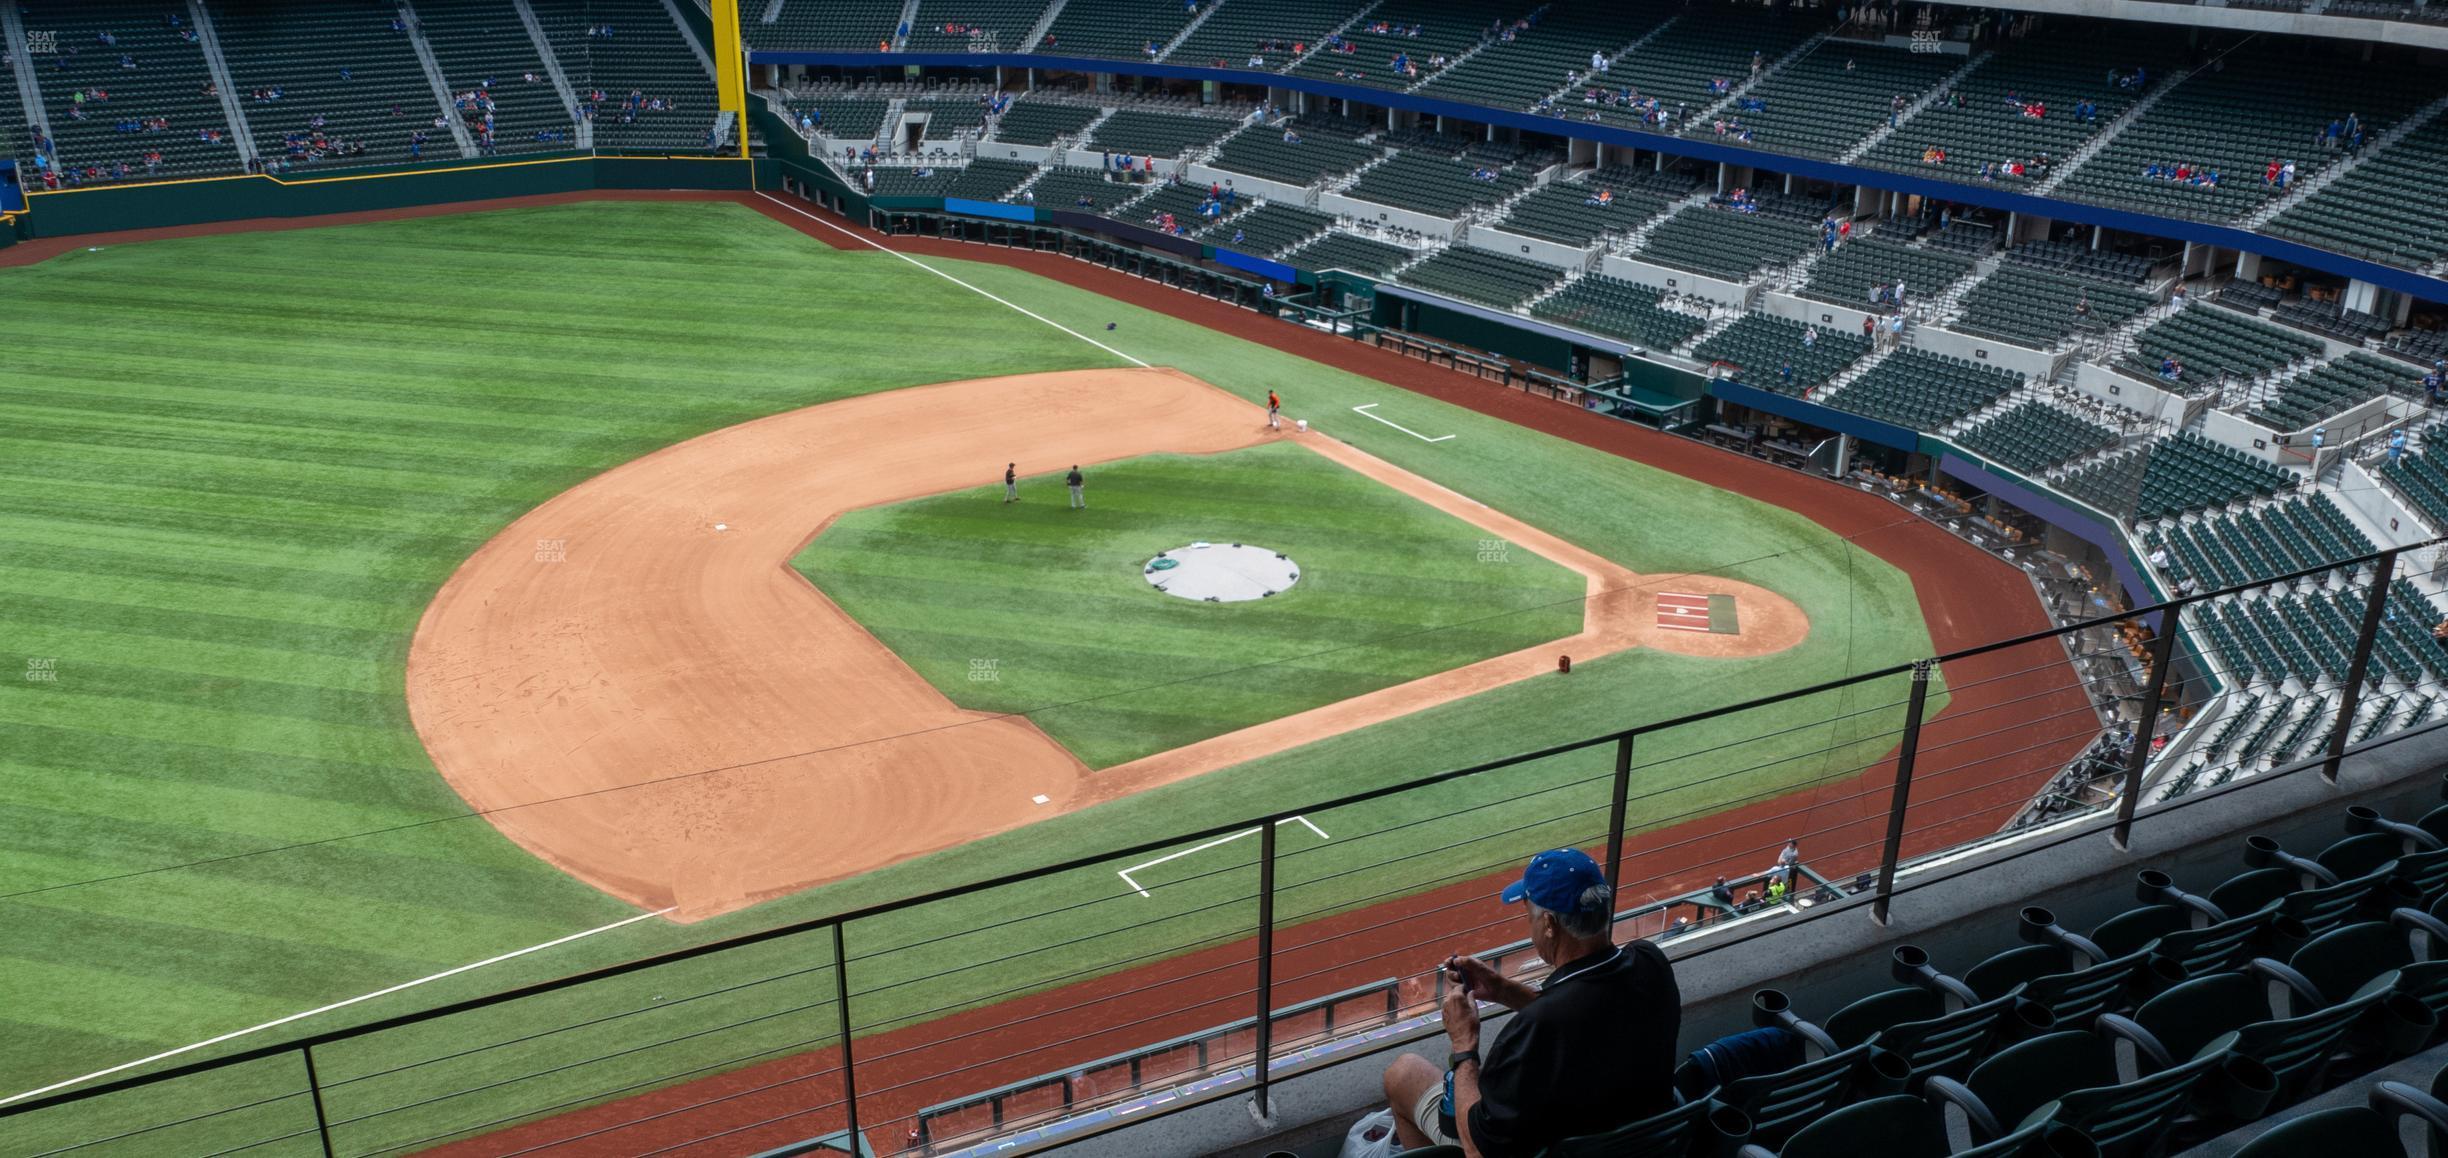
(1274, 411)
(1079, 500)
(1011, 482)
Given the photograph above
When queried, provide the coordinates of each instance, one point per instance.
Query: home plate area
(1714, 613)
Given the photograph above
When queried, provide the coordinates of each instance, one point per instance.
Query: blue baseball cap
(1554, 880)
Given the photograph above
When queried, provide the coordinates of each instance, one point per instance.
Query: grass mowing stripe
(822, 325)
(223, 809)
(205, 658)
(124, 1003)
(196, 627)
(236, 472)
(303, 912)
(156, 950)
(143, 715)
(104, 562)
(38, 535)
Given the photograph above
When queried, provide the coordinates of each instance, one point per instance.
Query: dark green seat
(1907, 1127)
(2072, 1079)
(2184, 942)
(2376, 1129)
(2230, 1014)
(1936, 1025)
(2355, 877)
(2353, 1130)
(1697, 1127)
(1778, 1104)
(2072, 978)
(2422, 857)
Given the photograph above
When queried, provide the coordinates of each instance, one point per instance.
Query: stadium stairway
(232, 111)
(1037, 31)
(1635, 45)
(29, 91)
(1691, 125)
(1945, 85)
(1319, 45)
(2100, 140)
(2307, 189)
(1205, 10)
(433, 76)
(584, 133)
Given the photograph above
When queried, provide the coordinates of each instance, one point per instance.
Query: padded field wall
(109, 208)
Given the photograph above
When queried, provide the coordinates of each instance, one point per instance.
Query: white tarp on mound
(1221, 572)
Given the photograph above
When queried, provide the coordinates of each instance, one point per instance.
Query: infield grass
(1035, 609)
(238, 468)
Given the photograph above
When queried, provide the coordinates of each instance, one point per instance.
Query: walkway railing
(1210, 961)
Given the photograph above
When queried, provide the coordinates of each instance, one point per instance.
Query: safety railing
(1209, 962)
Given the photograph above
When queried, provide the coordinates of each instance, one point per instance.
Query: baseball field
(353, 571)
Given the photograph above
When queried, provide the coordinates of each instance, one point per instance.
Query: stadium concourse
(1934, 500)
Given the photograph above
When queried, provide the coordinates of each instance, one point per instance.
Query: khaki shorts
(1428, 1114)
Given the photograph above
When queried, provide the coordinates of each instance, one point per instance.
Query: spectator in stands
(2396, 444)
(1721, 893)
(2439, 634)
(1591, 1048)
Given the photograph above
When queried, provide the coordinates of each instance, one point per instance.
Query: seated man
(1592, 1048)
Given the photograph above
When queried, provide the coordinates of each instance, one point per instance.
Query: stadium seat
(2230, 1014)
(2073, 1078)
(1935, 1024)
(1901, 1126)
(2068, 976)
(1695, 1127)
(2377, 1129)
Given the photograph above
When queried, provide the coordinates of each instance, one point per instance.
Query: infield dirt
(631, 682)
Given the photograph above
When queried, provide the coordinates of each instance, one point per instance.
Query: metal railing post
(1266, 959)
(2129, 795)
(315, 1087)
(2375, 609)
(841, 1008)
(1615, 814)
(1906, 753)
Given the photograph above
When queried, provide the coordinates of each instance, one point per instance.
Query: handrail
(1176, 839)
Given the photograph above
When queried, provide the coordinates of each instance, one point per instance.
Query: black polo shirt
(1595, 1050)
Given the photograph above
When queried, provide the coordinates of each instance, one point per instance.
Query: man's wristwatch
(1453, 1061)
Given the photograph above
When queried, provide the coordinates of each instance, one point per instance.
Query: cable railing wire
(2308, 734)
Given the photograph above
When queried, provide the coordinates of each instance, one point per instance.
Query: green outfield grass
(239, 467)
(1074, 637)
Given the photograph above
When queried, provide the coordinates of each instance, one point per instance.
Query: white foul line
(1125, 874)
(279, 1021)
(948, 277)
(1363, 411)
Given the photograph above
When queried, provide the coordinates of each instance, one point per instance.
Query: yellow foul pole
(731, 67)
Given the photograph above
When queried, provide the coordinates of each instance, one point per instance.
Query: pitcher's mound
(1221, 573)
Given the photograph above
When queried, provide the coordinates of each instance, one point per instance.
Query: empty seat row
(1482, 276)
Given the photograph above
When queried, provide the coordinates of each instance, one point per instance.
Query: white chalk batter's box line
(1136, 887)
(1685, 607)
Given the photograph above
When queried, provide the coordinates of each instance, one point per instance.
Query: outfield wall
(110, 208)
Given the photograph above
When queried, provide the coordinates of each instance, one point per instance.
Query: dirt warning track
(632, 682)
